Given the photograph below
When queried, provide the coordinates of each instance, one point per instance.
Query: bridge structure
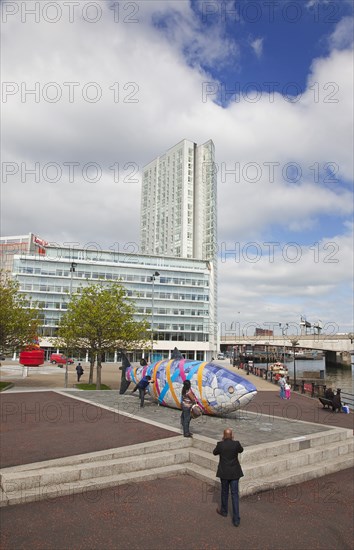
(338, 343)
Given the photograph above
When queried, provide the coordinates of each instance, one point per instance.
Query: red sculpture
(32, 356)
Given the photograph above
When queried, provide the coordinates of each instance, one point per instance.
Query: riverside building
(178, 203)
(179, 209)
(179, 302)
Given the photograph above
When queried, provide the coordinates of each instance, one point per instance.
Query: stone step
(285, 454)
(292, 461)
(263, 451)
(138, 449)
(50, 492)
(248, 486)
(284, 479)
(295, 476)
(12, 481)
(265, 466)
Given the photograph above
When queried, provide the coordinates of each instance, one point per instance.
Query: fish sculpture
(218, 390)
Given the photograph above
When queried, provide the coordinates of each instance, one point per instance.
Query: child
(287, 390)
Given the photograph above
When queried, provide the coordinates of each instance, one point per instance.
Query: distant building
(178, 203)
(183, 290)
(263, 332)
(179, 209)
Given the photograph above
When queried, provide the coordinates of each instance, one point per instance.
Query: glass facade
(182, 305)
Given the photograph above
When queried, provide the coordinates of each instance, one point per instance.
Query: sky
(93, 91)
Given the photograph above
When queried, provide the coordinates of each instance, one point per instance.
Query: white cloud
(257, 46)
(149, 66)
(343, 35)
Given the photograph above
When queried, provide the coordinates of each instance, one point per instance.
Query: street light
(294, 343)
(73, 265)
(283, 331)
(267, 344)
(152, 278)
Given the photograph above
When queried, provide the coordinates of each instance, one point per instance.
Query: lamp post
(294, 343)
(267, 344)
(152, 278)
(283, 331)
(73, 265)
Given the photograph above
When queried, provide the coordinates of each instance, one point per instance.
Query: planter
(33, 358)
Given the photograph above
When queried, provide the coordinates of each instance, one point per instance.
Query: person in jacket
(79, 371)
(142, 387)
(187, 401)
(337, 402)
(329, 394)
(229, 471)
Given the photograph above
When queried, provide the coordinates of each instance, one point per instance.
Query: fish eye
(231, 389)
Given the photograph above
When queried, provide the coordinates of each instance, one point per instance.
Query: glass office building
(181, 294)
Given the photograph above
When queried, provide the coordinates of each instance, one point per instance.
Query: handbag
(196, 411)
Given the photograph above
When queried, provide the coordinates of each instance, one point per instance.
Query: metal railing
(313, 389)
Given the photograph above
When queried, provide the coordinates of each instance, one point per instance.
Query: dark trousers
(233, 484)
(142, 396)
(185, 419)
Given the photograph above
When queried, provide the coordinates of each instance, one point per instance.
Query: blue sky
(292, 34)
(171, 62)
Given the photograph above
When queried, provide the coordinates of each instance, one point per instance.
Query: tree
(100, 319)
(18, 322)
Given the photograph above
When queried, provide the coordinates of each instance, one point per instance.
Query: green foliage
(5, 385)
(18, 323)
(100, 319)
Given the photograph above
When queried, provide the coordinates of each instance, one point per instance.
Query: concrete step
(266, 466)
(297, 475)
(139, 449)
(283, 479)
(294, 460)
(12, 481)
(276, 463)
(258, 453)
(50, 492)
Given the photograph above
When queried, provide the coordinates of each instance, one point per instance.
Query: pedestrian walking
(229, 471)
(79, 371)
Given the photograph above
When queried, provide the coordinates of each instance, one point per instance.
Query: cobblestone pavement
(251, 428)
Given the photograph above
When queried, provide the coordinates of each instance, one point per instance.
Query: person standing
(229, 471)
(287, 390)
(79, 371)
(187, 401)
(337, 402)
(282, 383)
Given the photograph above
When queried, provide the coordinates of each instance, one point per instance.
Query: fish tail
(124, 384)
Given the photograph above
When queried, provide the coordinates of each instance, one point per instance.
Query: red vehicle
(59, 358)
